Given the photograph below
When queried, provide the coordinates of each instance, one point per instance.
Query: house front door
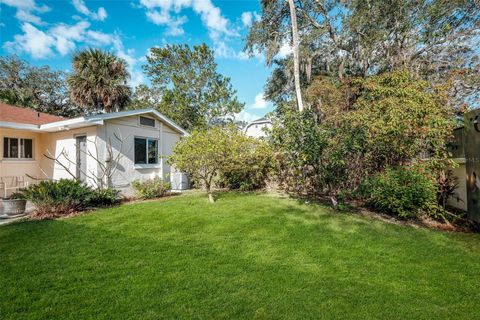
(81, 145)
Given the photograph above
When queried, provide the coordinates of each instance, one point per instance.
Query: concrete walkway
(10, 219)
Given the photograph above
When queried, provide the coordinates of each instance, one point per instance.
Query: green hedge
(400, 191)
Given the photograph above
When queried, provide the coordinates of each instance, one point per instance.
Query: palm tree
(296, 55)
(99, 81)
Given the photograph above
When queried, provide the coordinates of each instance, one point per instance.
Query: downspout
(107, 182)
(161, 151)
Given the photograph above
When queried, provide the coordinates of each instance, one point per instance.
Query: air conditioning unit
(180, 181)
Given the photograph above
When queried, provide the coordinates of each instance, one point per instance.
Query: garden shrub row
(65, 196)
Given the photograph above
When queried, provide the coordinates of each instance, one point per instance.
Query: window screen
(147, 121)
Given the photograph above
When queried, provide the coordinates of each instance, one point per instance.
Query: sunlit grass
(246, 256)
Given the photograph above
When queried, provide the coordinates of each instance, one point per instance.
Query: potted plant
(13, 206)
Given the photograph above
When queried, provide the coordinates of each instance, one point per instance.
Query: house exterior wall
(256, 130)
(127, 129)
(62, 145)
(18, 167)
(170, 139)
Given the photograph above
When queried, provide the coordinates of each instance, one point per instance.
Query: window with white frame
(17, 148)
(146, 151)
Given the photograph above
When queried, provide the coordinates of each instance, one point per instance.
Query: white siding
(62, 145)
(257, 130)
(127, 129)
(65, 142)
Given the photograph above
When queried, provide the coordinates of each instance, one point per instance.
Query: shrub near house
(59, 198)
(223, 157)
(150, 189)
(404, 192)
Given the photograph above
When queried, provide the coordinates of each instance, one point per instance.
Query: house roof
(261, 120)
(60, 124)
(11, 113)
(258, 121)
(114, 115)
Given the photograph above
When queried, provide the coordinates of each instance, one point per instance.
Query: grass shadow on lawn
(245, 256)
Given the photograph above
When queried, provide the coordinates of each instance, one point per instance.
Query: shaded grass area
(248, 256)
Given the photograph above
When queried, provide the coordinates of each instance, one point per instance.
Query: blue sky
(48, 32)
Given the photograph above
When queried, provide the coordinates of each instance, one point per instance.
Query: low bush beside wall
(60, 198)
(403, 192)
(152, 188)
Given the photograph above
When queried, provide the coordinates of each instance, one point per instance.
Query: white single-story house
(111, 148)
(258, 128)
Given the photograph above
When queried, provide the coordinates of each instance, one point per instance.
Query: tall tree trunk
(296, 56)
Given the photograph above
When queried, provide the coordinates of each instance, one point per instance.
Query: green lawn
(244, 257)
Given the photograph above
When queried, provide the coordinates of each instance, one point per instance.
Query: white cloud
(27, 16)
(222, 50)
(41, 44)
(211, 17)
(34, 42)
(165, 13)
(99, 38)
(284, 50)
(64, 38)
(260, 102)
(28, 5)
(61, 38)
(80, 6)
(174, 24)
(249, 17)
(25, 10)
(136, 74)
(245, 116)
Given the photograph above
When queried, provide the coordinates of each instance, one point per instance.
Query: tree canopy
(223, 155)
(39, 88)
(99, 81)
(437, 40)
(360, 128)
(192, 92)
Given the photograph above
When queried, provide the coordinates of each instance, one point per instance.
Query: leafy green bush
(57, 198)
(223, 157)
(104, 197)
(152, 188)
(404, 192)
(357, 128)
(255, 162)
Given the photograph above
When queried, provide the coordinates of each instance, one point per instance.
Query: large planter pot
(12, 207)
